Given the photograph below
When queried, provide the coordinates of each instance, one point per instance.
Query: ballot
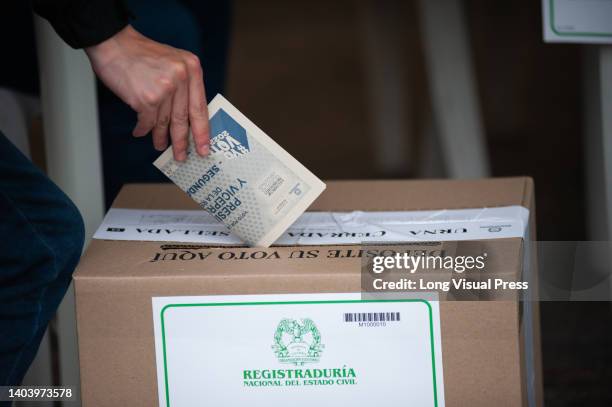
(248, 182)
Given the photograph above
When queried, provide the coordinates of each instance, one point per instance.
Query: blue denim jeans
(41, 238)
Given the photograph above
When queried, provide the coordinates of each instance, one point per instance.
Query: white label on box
(322, 228)
(298, 350)
(579, 21)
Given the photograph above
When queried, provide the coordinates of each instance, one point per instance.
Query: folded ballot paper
(247, 182)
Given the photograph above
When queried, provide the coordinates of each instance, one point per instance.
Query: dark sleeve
(83, 23)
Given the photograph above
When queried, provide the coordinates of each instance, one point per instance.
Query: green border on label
(221, 304)
(570, 33)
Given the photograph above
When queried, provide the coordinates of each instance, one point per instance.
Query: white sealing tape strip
(322, 228)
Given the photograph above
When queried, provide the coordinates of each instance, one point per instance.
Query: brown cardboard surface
(481, 341)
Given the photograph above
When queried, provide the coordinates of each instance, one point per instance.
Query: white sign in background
(204, 345)
(321, 228)
(577, 21)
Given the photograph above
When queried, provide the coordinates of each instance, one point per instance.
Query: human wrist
(108, 50)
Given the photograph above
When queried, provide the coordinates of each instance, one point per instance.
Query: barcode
(371, 316)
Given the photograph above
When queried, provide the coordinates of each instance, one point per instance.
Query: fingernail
(181, 156)
(203, 149)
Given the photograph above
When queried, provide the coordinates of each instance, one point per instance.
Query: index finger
(198, 109)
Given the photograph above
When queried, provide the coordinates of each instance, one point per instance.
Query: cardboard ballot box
(164, 319)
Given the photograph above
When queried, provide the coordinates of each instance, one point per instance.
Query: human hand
(164, 85)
